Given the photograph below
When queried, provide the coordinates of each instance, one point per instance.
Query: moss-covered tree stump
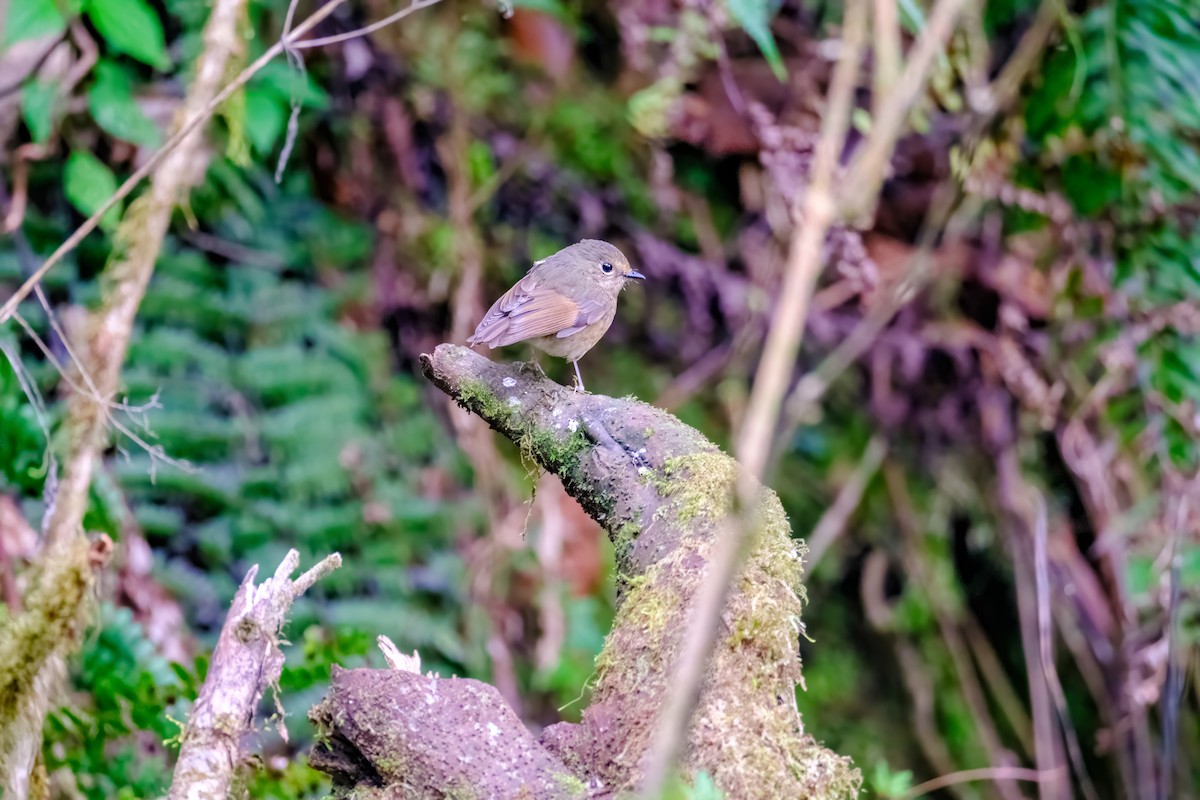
(660, 489)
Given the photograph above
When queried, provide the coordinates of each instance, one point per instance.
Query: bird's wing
(526, 311)
(589, 311)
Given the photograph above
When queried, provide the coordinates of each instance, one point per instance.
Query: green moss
(698, 485)
(477, 397)
(570, 784)
(389, 766)
(54, 613)
(559, 455)
(754, 664)
(557, 450)
(624, 539)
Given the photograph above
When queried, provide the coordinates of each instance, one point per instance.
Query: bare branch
(247, 660)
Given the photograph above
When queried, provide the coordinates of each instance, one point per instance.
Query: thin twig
(834, 520)
(135, 412)
(1173, 684)
(982, 774)
(1045, 630)
(416, 5)
(326, 566)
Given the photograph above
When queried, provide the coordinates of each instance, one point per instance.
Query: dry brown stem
(821, 205)
(837, 516)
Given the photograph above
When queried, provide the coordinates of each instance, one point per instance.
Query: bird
(563, 305)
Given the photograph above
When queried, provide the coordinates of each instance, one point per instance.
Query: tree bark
(661, 490)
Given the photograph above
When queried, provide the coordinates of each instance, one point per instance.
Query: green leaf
(266, 117)
(32, 19)
(88, 182)
(279, 78)
(37, 109)
(112, 104)
(479, 163)
(131, 27)
(113, 107)
(755, 18)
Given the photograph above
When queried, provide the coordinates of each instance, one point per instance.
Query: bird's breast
(574, 346)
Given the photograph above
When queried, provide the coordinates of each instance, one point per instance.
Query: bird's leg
(532, 364)
(578, 377)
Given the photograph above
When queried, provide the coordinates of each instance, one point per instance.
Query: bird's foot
(532, 366)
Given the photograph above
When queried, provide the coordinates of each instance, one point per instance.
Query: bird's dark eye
(607, 267)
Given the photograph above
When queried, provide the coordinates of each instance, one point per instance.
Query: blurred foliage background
(1052, 346)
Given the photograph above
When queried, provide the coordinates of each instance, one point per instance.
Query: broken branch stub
(246, 661)
(661, 490)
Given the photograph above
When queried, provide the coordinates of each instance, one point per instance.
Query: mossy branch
(31, 646)
(661, 490)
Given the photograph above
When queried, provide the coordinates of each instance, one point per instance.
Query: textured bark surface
(456, 736)
(661, 491)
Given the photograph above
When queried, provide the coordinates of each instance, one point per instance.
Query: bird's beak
(635, 275)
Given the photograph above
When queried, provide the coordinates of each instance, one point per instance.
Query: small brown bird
(563, 305)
